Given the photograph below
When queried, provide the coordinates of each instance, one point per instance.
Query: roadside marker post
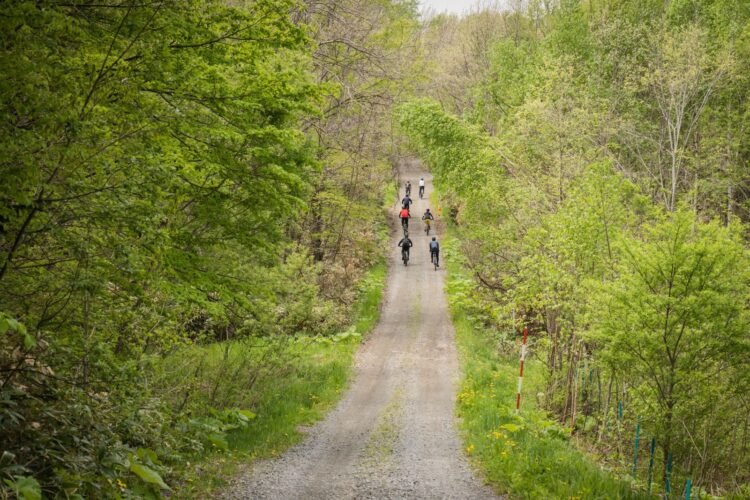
(520, 376)
(668, 479)
(637, 442)
(651, 464)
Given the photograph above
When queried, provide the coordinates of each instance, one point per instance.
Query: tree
(152, 156)
(674, 319)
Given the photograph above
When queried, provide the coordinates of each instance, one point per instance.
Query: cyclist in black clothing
(408, 188)
(435, 252)
(406, 202)
(405, 245)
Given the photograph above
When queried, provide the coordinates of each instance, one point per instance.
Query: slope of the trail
(393, 434)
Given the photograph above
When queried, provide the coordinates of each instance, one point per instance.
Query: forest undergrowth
(304, 377)
(526, 454)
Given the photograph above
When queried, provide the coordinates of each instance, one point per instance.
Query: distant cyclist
(405, 245)
(406, 202)
(427, 218)
(435, 252)
(404, 215)
(408, 188)
(421, 187)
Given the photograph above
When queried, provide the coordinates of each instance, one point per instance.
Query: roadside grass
(525, 455)
(390, 195)
(287, 385)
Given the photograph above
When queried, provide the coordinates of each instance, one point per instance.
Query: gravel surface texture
(393, 435)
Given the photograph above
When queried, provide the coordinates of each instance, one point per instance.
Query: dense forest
(177, 174)
(181, 175)
(595, 158)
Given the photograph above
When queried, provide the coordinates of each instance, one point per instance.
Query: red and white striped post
(520, 376)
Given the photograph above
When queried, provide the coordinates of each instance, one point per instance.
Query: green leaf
(247, 414)
(148, 475)
(511, 427)
(147, 455)
(28, 341)
(218, 440)
(25, 487)
(10, 324)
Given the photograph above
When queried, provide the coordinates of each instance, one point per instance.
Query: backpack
(434, 247)
(404, 213)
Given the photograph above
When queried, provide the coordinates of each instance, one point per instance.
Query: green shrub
(527, 454)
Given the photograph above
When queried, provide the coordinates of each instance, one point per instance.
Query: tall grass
(525, 455)
(287, 383)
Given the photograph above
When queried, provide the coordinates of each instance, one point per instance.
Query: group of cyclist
(404, 214)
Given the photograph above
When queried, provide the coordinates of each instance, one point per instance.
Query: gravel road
(393, 435)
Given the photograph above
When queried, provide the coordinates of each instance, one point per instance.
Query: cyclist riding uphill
(435, 251)
(405, 245)
(421, 187)
(404, 215)
(408, 188)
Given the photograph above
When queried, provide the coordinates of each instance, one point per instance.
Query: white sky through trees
(451, 6)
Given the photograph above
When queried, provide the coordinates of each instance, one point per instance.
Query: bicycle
(405, 255)
(427, 224)
(434, 260)
(421, 192)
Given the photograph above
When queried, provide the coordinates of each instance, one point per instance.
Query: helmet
(428, 209)
(433, 238)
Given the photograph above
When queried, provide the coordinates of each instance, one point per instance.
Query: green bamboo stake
(687, 489)
(651, 464)
(667, 485)
(637, 442)
(619, 410)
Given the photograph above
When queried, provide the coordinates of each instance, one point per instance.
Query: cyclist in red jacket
(404, 215)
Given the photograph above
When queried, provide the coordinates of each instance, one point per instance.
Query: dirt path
(393, 435)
